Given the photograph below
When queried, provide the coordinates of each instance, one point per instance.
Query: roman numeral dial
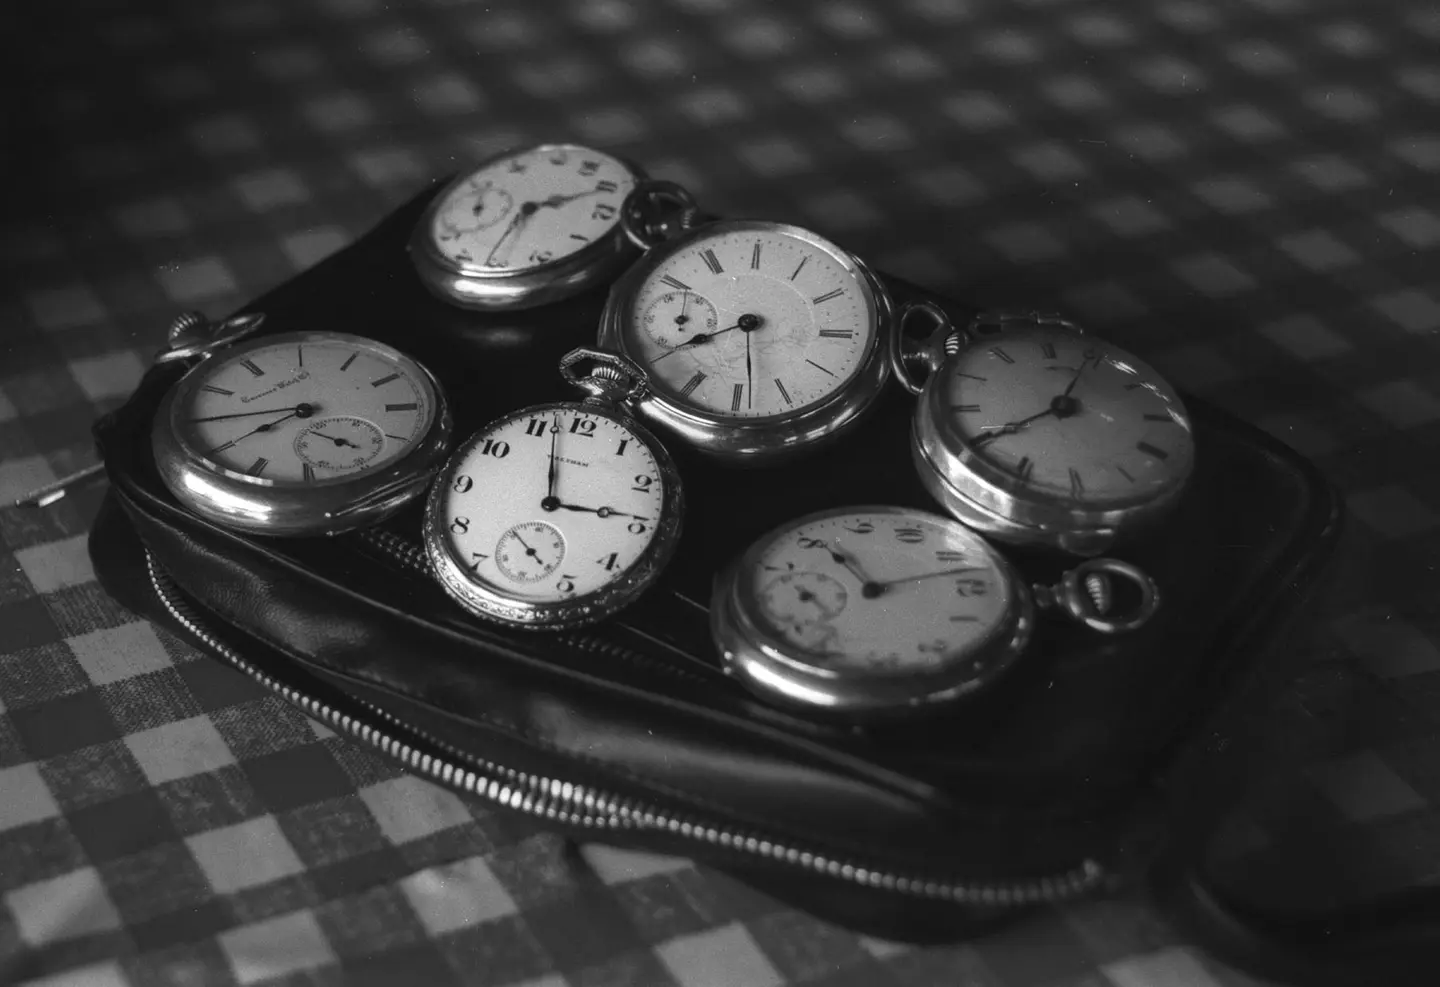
(749, 321)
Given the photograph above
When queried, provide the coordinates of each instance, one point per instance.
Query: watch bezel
(984, 496)
(266, 506)
(491, 604)
(756, 440)
(757, 657)
(482, 289)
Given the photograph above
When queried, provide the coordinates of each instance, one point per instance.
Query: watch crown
(192, 335)
(608, 377)
(606, 372)
(1087, 593)
(1102, 595)
(185, 323)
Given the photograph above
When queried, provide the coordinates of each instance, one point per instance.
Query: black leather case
(1064, 760)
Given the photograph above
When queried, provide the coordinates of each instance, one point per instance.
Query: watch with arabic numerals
(558, 514)
(526, 228)
(874, 611)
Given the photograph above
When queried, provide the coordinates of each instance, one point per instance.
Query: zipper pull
(51, 492)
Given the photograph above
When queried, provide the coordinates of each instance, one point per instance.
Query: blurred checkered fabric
(1242, 192)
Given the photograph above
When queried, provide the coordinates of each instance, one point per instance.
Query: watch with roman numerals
(757, 339)
(1034, 432)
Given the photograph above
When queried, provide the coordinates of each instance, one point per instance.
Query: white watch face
(888, 592)
(531, 208)
(305, 408)
(1069, 416)
(751, 323)
(552, 504)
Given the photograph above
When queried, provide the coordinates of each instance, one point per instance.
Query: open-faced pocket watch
(526, 228)
(558, 514)
(872, 611)
(757, 339)
(301, 433)
(1034, 432)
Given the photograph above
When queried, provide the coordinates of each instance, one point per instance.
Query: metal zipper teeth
(565, 802)
(414, 557)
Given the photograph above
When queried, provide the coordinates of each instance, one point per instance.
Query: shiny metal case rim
(986, 498)
(262, 507)
(484, 290)
(757, 442)
(758, 659)
(492, 605)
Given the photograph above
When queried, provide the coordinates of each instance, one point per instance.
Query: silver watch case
(261, 506)
(481, 289)
(486, 602)
(758, 442)
(760, 661)
(988, 499)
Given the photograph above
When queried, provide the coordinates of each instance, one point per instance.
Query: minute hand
(1011, 427)
(243, 414)
(927, 575)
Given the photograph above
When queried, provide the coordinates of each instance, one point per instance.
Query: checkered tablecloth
(1242, 192)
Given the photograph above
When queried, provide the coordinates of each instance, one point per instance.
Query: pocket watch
(885, 610)
(526, 228)
(757, 338)
(1034, 432)
(558, 514)
(301, 433)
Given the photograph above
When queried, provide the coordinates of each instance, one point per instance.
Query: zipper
(408, 555)
(557, 800)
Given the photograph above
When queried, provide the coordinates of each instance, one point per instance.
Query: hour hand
(847, 560)
(559, 200)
